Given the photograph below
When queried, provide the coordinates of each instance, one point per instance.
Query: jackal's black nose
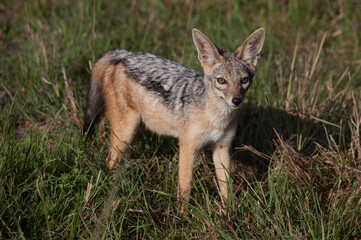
(236, 101)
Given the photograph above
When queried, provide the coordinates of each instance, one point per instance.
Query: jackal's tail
(96, 107)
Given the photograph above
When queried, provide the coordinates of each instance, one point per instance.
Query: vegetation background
(296, 158)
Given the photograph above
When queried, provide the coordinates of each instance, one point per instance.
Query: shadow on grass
(260, 128)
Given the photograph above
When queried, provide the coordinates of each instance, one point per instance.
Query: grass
(297, 155)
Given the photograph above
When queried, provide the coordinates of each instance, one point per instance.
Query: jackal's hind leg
(123, 126)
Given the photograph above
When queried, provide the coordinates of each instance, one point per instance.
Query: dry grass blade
(43, 49)
(292, 70)
(255, 151)
(70, 95)
(315, 61)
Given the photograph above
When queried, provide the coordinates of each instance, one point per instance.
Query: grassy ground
(297, 155)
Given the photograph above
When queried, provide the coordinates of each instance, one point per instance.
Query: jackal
(174, 100)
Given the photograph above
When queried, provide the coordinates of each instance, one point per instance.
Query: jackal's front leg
(222, 163)
(186, 162)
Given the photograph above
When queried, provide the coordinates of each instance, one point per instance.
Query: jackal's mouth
(235, 107)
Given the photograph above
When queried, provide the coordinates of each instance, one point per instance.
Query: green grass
(297, 155)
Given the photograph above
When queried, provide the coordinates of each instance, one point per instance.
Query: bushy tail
(96, 107)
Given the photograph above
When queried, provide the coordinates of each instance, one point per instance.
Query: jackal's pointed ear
(208, 54)
(251, 47)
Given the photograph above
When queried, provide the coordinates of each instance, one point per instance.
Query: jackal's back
(175, 85)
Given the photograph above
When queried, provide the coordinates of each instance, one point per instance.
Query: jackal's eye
(221, 80)
(244, 80)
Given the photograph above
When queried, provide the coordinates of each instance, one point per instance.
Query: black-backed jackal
(174, 100)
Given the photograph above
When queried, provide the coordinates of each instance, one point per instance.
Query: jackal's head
(229, 74)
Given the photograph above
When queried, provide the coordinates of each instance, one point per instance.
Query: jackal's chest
(211, 135)
(215, 129)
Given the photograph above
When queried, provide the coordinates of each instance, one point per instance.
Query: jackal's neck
(217, 110)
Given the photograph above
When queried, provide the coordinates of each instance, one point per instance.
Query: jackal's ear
(208, 54)
(251, 47)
